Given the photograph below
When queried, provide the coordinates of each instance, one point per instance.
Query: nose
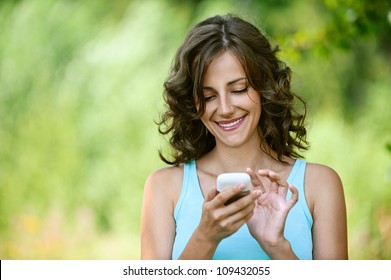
(226, 107)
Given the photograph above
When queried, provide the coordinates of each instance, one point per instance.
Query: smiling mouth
(231, 124)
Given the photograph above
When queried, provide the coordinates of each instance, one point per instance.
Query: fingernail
(258, 192)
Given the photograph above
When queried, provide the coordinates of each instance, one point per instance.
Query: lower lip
(229, 128)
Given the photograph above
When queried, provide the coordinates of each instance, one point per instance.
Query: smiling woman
(230, 109)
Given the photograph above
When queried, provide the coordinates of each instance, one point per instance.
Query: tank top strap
(189, 175)
(296, 178)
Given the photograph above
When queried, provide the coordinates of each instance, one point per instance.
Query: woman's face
(232, 106)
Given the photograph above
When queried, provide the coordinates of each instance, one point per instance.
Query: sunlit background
(81, 86)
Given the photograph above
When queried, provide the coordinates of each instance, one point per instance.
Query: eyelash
(240, 91)
(209, 98)
(244, 90)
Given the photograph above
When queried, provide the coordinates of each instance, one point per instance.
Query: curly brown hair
(281, 123)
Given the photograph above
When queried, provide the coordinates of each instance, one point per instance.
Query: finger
(255, 181)
(254, 178)
(294, 197)
(249, 215)
(238, 218)
(233, 216)
(236, 225)
(282, 191)
(232, 227)
(277, 178)
(273, 177)
(226, 195)
(273, 186)
(211, 194)
(243, 202)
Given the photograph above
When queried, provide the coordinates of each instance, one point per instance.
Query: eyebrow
(229, 83)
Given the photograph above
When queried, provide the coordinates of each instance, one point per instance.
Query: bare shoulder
(161, 192)
(169, 174)
(319, 174)
(326, 200)
(322, 183)
(166, 182)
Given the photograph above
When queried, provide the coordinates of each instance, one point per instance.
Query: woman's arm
(157, 220)
(324, 192)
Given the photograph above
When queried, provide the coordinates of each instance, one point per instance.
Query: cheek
(256, 101)
(207, 112)
(205, 118)
(207, 124)
(255, 97)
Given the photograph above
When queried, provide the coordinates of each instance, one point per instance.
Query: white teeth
(226, 125)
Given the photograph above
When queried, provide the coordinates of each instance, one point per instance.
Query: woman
(230, 109)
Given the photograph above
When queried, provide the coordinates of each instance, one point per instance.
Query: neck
(237, 159)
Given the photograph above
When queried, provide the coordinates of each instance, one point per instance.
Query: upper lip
(229, 121)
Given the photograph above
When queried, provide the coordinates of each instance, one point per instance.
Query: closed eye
(209, 98)
(239, 91)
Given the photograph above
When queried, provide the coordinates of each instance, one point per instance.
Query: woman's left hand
(272, 207)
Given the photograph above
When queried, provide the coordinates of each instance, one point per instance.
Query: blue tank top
(241, 245)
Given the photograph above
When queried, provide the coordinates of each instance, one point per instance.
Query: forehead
(223, 69)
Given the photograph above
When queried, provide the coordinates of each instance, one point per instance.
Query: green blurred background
(81, 86)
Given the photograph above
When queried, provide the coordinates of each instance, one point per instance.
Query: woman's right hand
(219, 220)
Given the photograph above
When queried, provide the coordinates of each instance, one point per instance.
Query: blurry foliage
(350, 20)
(80, 88)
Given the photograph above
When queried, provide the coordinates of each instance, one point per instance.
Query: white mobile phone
(229, 180)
